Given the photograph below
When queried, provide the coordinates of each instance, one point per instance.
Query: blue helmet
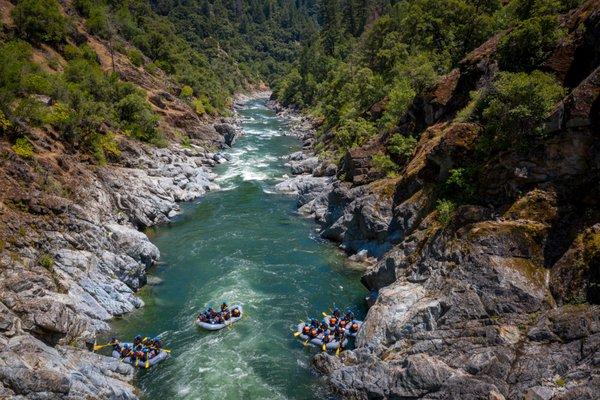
(127, 346)
(138, 337)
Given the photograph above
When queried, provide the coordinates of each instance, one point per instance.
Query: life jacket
(332, 321)
(342, 323)
(314, 332)
(236, 312)
(226, 316)
(354, 327)
(306, 329)
(326, 338)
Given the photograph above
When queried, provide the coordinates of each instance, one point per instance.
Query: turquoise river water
(244, 245)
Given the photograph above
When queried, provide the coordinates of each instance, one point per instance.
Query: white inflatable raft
(217, 327)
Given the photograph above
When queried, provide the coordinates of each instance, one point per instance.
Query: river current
(244, 245)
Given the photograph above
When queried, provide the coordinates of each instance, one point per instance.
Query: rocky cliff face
(501, 301)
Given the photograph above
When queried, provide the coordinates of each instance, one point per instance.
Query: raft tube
(318, 341)
(163, 355)
(217, 327)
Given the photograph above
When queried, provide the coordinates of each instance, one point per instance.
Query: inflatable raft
(216, 327)
(348, 331)
(318, 340)
(163, 355)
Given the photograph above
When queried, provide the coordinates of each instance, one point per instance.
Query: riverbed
(244, 245)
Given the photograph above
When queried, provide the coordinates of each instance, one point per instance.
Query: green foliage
(137, 117)
(23, 148)
(46, 261)
(400, 98)
(187, 91)
(136, 57)
(445, 211)
(5, 124)
(40, 21)
(529, 44)
(384, 164)
(402, 147)
(353, 133)
(460, 184)
(517, 104)
(98, 22)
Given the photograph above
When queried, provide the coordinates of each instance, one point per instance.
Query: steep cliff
(485, 280)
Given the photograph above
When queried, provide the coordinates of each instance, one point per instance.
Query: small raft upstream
(220, 320)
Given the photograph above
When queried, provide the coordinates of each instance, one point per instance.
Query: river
(244, 245)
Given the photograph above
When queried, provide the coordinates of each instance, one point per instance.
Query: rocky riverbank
(500, 299)
(73, 256)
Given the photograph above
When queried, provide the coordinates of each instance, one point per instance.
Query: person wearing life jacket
(147, 342)
(306, 329)
(343, 323)
(235, 312)
(349, 316)
(327, 337)
(115, 344)
(354, 327)
(202, 317)
(125, 351)
(336, 313)
(218, 319)
(224, 307)
(226, 315)
(137, 340)
(313, 333)
(333, 321)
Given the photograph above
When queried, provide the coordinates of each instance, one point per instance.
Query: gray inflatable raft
(217, 327)
(163, 355)
(318, 341)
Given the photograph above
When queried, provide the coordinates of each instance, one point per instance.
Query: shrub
(187, 91)
(459, 184)
(402, 147)
(445, 211)
(199, 107)
(137, 117)
(97, 22)
(46, 261)
(529, 44)
(353, 133)
(384, 164)
(5, 123)
(400, 98)
(59, 116)
(23, 148)
(518, 103)
(136, 57)
(40, 21)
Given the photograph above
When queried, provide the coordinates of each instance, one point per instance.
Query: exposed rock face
(502, 302)
(72, 262)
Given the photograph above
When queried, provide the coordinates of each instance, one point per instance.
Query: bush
(136, 57)
(384, 164)
(137, 117)
(23, 148)
(97, 22)
(59, 116)
(187, 91)
(529, 44)
(353, 133)
(46, 261)
(40, 21)
(459, 184)
(5, 123)
(402, 147)
(518, 103)
(445, 211)
(400, 97)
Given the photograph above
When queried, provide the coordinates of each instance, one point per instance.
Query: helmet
(145, 350)
(138, 337)
(127, 346)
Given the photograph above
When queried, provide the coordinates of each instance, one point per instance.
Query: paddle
(101, 346)
(296, 334)
(147, 364)
(324, 347)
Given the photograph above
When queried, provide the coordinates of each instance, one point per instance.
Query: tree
(40, 21)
